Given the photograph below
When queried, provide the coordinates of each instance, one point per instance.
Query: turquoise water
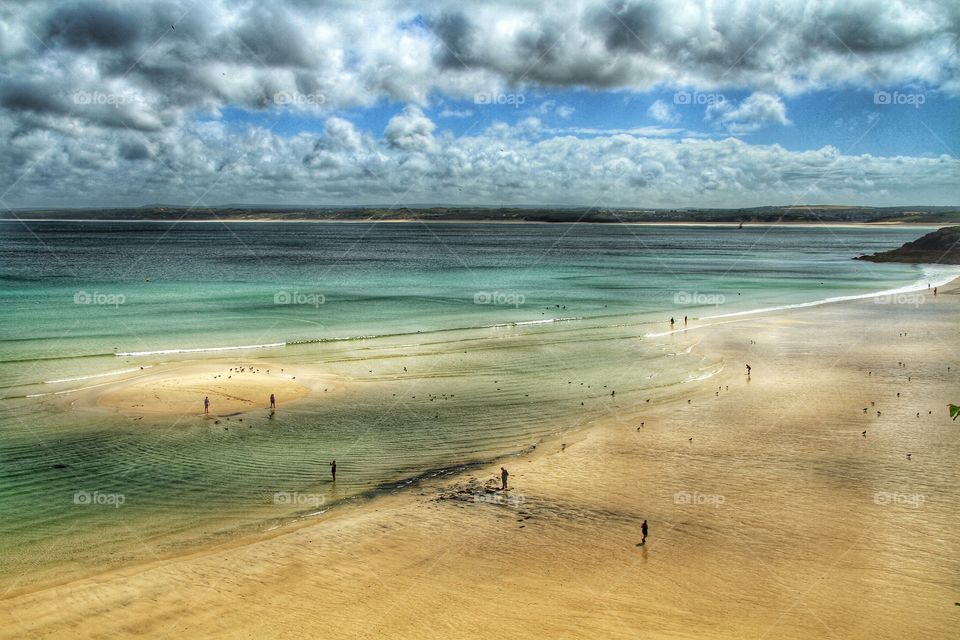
(192, 286)
(461, 342)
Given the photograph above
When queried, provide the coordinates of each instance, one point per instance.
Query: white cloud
(180, 56)
(662, 112)
(612, 131)
(455, 113)
(522, 163)
(106, 97)
(548, 107)
(410, 130)
(757, 111)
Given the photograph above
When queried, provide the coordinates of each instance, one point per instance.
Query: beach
(807, 500)
(232, 387)
(478, 320)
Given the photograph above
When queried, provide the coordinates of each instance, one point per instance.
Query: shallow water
(508, 333)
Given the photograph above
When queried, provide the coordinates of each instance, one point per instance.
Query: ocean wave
(932, 277)
(163, 352)
(524, 323)
(124, 354)
(97, 375)
(930, 280)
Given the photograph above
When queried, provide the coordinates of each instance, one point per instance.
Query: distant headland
(941, 246)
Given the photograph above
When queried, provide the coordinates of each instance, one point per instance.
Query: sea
(455, 343)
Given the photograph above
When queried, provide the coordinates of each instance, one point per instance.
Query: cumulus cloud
(662, 112)
(413, 162)
(786, 46)
(548, 107)
(410, 131)
(182, 56)
(339, 141)
(125, 100)
(757, 111)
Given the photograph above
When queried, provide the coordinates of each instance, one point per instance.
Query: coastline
(827, 225)
(435, 538)
(222, 352)
(921, 286)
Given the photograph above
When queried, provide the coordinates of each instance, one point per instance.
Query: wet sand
(771, 515)
(233, 387)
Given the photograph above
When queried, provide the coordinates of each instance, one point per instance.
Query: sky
(596, 103)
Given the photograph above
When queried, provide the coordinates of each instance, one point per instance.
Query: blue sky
(846, 118)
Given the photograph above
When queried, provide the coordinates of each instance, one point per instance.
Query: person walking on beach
(671, 323)
(643, 530)
(333, 470)
(504, 475)
(206, 404)
(748, 370)
(273, 401)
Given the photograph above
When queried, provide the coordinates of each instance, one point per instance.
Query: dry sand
(771, 516)
(233, 387)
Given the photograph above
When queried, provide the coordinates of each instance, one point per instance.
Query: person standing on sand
(644, 529)
(748, 369)
(206, 404)
(504, 475)
(333, 470)
(273, 401)
(671, 323)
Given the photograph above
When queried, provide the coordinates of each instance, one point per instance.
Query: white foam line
(548, 321)
(703, 376)
(921, 285)
(163, 352)
(524, 323)
(65, 391)
(96, 375)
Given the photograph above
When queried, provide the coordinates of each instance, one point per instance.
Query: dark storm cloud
(786, 45)
(23, 95)
(273, 35)
(94, 24)
(627, 26)
(454, 31)
(857, 29)
(134, 150)
(180, 56)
